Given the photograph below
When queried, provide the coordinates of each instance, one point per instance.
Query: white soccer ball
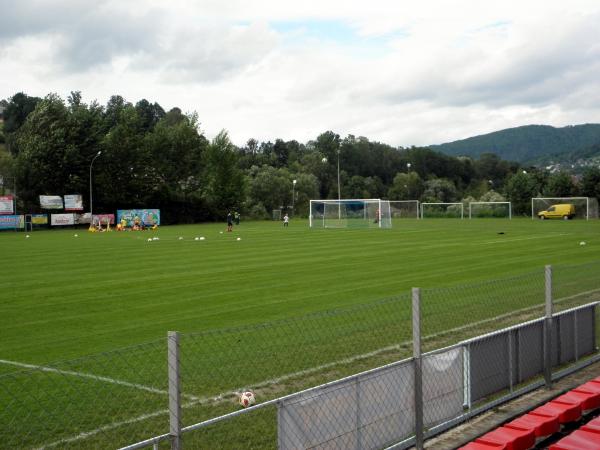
(155, 239)
(201, 238)
(196, 238)
(27, 237)
(239, 239)
(220, 232)
(75, 235)
(582, 243)
(180, 238)
(247, 398)
(149, 239)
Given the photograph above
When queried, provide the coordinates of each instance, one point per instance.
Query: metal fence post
(548, 328)
(416, 326)
(174, 391)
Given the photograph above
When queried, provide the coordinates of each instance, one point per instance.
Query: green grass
(65, 297)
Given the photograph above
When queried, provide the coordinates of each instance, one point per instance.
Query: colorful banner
(145, 217)
(62, 219)
(51, 202)
(73, 202)
(39, 219)
(12, 222)
(6, 204)
(104, 218)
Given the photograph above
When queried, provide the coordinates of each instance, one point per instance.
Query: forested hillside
(145, 156)
(528, 143)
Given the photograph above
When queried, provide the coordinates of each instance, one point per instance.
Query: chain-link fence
(347, 378)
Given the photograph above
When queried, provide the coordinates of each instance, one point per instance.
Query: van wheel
(565, 217)
(542, 217)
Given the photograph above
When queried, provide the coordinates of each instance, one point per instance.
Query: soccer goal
(404, 209)
(585, 207)
(276, 214)
(490, 210)
(350, 213)
(442, 210)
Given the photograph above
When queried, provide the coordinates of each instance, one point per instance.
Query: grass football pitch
(65, 297)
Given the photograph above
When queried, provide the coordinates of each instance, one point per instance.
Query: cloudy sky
(401, 72)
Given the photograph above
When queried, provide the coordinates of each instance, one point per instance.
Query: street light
(293, 195)
(91, 209)
(408, 167)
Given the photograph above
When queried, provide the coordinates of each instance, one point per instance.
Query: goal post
(585, 207)
(442, 210)
(350, 213)
(404, 209)
(490, 209)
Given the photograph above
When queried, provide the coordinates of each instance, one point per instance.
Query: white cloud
(402, 73)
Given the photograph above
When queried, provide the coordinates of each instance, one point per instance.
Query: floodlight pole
(339, 193)
(91, 197)
(293, 196)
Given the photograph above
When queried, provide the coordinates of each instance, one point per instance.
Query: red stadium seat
(514, 439)
(481, 446)
(592, 426)
(541, 425)
(578, 440)
(586, 399)
(591, 386)
(566, 412)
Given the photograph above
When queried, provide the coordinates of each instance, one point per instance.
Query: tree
(440, 190)
(406, 186)
(560, 184)
(224, 182)
(590, 182)
(520, 189)
(16, 112)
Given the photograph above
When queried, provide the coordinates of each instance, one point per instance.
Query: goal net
(276, 214)
(442, 210)
(404, 209)
(585, 207)
(350, 213)
(490, 210)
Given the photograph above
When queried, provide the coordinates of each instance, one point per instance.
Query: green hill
(526, 144)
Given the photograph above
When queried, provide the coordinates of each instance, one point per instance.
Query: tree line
(154, 158)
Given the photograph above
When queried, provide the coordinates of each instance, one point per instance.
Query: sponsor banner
(73, 202)
(51, 202)
(104, 218)
(39, 219)
(146, 217)
(83, 218)
(12, 222)
(6, 204)
(62, 219)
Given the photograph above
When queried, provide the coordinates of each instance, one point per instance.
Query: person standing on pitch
(236, 216)
(286, 220)
(229, 222)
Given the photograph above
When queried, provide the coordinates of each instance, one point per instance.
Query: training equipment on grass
(585, 207)
(490, 210)
(404, 209)
(442, 210)
(247, 398)
(350, 213)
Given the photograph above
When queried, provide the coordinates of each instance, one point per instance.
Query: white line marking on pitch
(87, 375)
(541, 236)
(198, 401)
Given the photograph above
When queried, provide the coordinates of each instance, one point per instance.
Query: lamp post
(339, 192)
(408, 167)
(293, 196)
(91, 209)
